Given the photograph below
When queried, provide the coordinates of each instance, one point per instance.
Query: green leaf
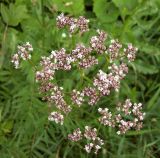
(7, 126)
(5, 13)
(1, 113)
(147, 15)
(154, 99)
(142, 132)
(14, 14)
(125, 4)
(145, 68)
(68, 84)
(105, 11)
(75, 7)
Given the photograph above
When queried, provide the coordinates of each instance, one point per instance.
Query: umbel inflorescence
(126, 116)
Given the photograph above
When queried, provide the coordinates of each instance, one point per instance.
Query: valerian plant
(126, 116)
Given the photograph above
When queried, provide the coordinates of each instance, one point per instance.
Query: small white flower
(118, 132)
(64, 35)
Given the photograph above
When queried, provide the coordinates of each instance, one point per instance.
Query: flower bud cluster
(57, 98)
(105, 82)
(62, 59)
(91, 135)
(93, 95)
(23, 53)
(76, 136)
(88, 62)
(119, 71)
(80, 52)
(82, 55)
(58, 60)
(120, 119)
(62, 20)
(46, 87)
(77, 97)
(57, 117)
(96, 146)
(47, 70)
(74, 24)
(82, 24)
(53, 94)
(98, 42)
(114, 48)
(130, 52)
(107, 118)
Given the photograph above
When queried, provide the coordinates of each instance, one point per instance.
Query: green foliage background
(24, 129)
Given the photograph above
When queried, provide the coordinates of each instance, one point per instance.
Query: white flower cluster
(23, 53)
(91, 135)
(62, 59)
(119, 119)
(98, 42)
(77, 97)
(113, 49)
(76, 136)
(58, 98)
(47, 70)
(103, 83)
(92, 94)
(130, 52)
(106, 118)
(74, 24)
(57, 117)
